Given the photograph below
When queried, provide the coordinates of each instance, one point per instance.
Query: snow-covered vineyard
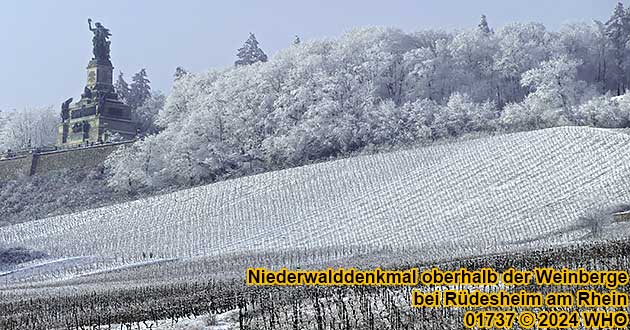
(228, 304)
(490, 192)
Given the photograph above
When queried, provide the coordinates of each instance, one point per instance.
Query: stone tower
(99, 115)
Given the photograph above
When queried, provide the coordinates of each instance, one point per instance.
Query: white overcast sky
(45, 45)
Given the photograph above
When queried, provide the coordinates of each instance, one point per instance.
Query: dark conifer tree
(122, 88)
(140, 90)
(179, 73)
(483, 25)
(617, 29)
(250, 53)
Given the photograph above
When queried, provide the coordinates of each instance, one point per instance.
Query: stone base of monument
(92, 122)
(99, 116)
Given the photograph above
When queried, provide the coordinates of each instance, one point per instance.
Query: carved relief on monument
(91, 80)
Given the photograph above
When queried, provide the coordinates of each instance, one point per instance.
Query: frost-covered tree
(429, 69)
(555, 83)
(555, 91)
(140, 89)
(122, 88)
(250, 53)
(623, 102)
(132, 166)
(3, 118)
(531, 115)
(29, 127)
(296, 40)
(186, 96)
(588, 44)
(146, 114)
(521, 47)
(601, 111)
(462, 115)
(472, 53)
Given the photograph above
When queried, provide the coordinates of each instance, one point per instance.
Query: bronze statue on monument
(100, 41)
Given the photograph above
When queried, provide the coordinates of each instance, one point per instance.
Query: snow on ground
(38, 263)
(225, 321)
(498, 189)
(42, 269)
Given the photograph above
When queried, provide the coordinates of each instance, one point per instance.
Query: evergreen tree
(250, 53)
(297, 40)
(483, 25)
(179, 72)
(140, 89)
(617, 29)
(122, 88)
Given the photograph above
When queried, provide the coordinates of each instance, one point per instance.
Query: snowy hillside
(499, 189)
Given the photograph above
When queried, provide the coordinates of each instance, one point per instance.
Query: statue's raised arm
(100, 41)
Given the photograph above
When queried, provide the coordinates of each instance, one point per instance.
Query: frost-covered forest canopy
(377, 87)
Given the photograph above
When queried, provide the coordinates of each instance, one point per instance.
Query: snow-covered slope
(498, 189)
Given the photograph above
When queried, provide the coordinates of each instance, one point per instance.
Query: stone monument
(99, 115)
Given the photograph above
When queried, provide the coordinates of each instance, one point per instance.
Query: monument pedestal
(99, 114)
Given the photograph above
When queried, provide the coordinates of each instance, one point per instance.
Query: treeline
(375, 88)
